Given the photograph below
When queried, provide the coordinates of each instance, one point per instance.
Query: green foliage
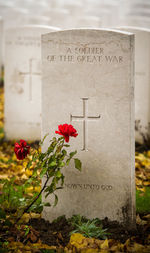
(48, 250)
(1, 134)
(88, 228)
(2, 249)
(4, 220)
(15, 198)
(3, 246)
(51, 164)
(77, 164)
(77, 220)
(27, 230)
(12, 195)
(143, 201)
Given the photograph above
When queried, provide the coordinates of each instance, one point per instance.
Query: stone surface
(135, 20)
(59, 17)
(23, 82)
(14, 17)
(88, 82)
(88, 22)
(142, 77)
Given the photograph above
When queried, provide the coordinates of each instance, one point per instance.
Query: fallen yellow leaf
(105, 244)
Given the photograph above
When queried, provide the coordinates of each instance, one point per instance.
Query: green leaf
(60, 138)
(47, 204)
(50, 189)
(44, 170)
(62, 179)
(51, 172)
(66, 145)
(58, 174)
(64, 152)
(42, 156)
(78, 164)
(58, 188)
(72, 154)
(41, 142)
(61, 164)
(27, 230)
(44, 163)
(68, 161)
(56, 200)
(52, 164)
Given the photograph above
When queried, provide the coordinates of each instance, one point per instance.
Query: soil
(53, 234)
(141, 147)
(58, 232)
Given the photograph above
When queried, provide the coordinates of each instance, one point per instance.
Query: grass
(143, 201)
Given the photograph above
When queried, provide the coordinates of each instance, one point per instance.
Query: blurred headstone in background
(142, 79)
(136, 13)
(14, 17)
(59, 17)
(76, 13)
(23, 82)
(88, 21)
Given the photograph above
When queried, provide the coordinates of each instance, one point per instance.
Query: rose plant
(21, 150)
(49, 164)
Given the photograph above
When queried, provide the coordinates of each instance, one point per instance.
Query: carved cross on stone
(30, 73)
(85, 118)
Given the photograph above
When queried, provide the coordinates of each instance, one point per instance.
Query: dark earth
(58, 232)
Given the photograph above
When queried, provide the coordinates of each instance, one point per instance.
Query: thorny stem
(28, 207)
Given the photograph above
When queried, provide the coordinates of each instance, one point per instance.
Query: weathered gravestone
(88, 82)
(23, 82)
(142, 79)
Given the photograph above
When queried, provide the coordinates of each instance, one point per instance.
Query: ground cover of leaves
(45, 237)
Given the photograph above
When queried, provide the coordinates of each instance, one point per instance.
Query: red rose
(21, 150)
(67, 131)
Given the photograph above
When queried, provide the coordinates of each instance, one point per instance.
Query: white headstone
(34, 19)
(74, 8)
(23, 82)
(135, 21)
(59, 17)
(88, 22)
(4, 7)
(88, 82)
(107, 12)
(142, 77)
(14, 17)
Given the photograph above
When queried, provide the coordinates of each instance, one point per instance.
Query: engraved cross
(85, 118)
(30, 73)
